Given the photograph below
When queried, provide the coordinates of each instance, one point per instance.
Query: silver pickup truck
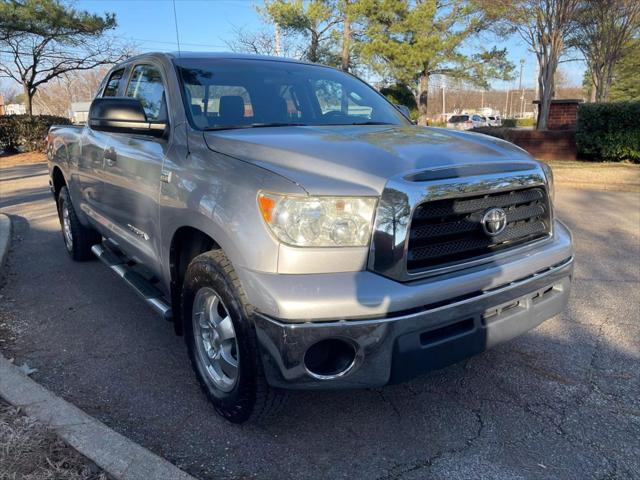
(299, 230)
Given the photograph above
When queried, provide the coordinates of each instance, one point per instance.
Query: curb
(5, 239)
(120, 457)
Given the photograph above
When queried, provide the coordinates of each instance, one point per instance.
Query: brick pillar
(563, 114)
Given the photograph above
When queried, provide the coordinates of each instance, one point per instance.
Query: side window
(146, 85)
(217, 92)
(111, 90)
(355, 107)
(288, 95)
(333, 98)
(329, 95)
(219, 104)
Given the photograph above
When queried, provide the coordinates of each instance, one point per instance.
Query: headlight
(548, 172)
(318, 221)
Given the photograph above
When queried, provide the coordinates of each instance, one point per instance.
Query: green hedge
(609, 131)
(498, 132)
(518, 122)
(26, 133)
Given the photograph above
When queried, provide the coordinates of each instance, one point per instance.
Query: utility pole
(444, 105)
(520, 86)
(278, 48)
(506, 104)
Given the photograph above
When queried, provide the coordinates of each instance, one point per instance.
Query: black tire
(81, 238)
(251, 398)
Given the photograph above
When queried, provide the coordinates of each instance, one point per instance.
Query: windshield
(238, 93)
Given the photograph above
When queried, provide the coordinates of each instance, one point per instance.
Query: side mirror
(123, 115)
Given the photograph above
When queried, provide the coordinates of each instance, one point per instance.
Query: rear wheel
(77, 238)
(222, 342)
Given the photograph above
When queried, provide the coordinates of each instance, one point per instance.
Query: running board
(149, 293)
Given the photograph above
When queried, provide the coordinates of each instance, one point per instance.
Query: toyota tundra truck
(299, 230)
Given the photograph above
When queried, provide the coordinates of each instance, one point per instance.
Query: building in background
(79, 112)
(15, 109)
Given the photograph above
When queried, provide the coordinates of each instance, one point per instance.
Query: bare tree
(59, 40)
(263, 42)
(603, 30)
(545, 25)
(55, 97)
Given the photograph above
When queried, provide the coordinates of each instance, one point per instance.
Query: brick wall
(563, 116)
(546, 144)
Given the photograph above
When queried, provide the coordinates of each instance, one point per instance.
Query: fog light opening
(329, 358)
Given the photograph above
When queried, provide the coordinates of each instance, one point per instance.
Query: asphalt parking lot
(563, 401)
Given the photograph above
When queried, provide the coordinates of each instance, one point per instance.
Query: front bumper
(399, 330)
(399, 347)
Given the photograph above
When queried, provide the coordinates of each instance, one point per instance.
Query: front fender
(217, 195)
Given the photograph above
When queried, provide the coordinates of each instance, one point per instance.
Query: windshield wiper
(255, 125)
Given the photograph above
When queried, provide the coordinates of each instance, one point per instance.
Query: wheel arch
(58, 181)
(187, 243)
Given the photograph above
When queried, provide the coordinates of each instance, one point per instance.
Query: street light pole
(278, 46)
(520, 87)
(506, 104)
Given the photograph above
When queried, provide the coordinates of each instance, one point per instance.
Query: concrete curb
(5, 239)
(117, 455)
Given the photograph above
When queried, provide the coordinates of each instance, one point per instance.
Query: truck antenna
(175, 20)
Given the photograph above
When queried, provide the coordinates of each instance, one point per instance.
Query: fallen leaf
(27, 370)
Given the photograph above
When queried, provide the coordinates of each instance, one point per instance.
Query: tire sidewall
(202, 273)
(64, 201)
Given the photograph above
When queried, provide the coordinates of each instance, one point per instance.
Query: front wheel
(222, 342)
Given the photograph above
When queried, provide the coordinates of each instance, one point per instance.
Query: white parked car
(466, 122)
(494, 121)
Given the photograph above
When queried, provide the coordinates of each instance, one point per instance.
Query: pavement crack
(389, 402)
(400, 470)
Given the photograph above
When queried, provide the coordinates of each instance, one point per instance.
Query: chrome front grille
(430, 222)
(450, 230)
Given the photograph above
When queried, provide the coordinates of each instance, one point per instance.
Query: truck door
(94, 145)
(132, 171)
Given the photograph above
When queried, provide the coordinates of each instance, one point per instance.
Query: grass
(585, 164)
(13, 159)
(620, 176)
(31, 451)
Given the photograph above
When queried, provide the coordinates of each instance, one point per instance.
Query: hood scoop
(460, 171)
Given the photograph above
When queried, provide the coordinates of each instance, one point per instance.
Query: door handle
(110, 156)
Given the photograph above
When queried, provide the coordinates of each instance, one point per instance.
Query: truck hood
(358, 160)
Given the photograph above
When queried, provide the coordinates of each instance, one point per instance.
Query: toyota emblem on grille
(494, 221)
